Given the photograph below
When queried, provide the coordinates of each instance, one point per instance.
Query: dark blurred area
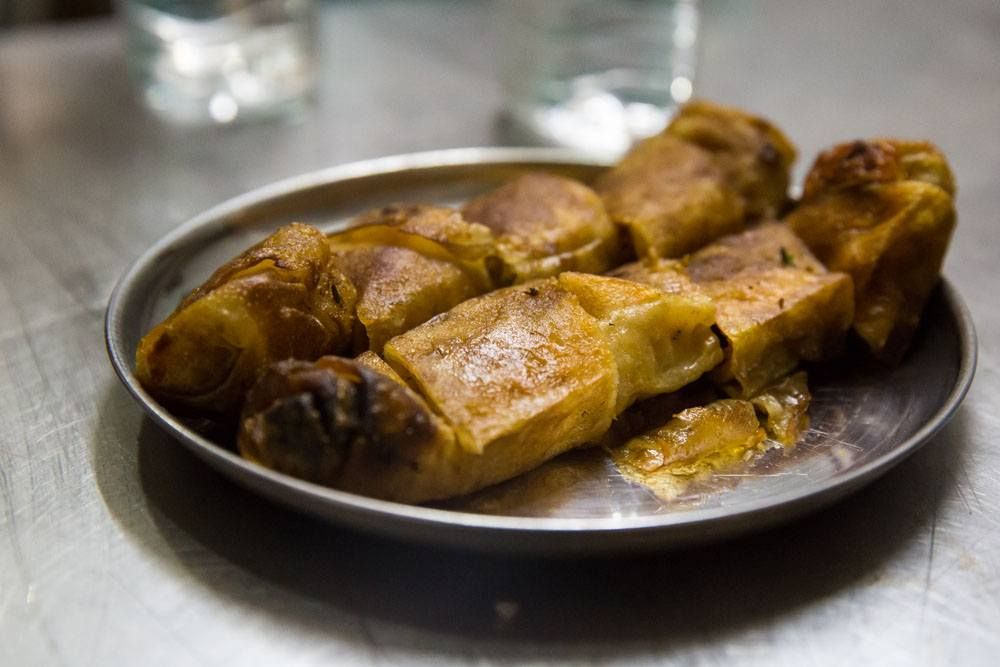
(21, 12)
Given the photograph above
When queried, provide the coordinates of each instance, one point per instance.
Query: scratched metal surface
(118, 547)
(863, 417)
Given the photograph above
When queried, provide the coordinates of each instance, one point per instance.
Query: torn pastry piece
(714, 436)
(516, 377)
(652, 412)
(783, 408)
(696, 440)
(282, 298)
(881, 211)
(770, 313)
(710, 171)
(409, 263)
(546, 224)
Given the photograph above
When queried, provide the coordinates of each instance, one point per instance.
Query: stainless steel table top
(119, 547)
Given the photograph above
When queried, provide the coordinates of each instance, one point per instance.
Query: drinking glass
(220, 61)
(597, 74)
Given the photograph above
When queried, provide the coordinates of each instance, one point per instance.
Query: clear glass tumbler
(597, 74)
(218, 61)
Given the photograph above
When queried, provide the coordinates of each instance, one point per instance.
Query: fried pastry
(409, 263)
(712, 169)
(883, 212)
(546, 224)
(776, 305)
(346, 423)
(516, 377)
(783, 408)
(670, 196)
(859, 163)
(767, 245)
(712, 434)
(754, 156)
(696, 440)
(487, 344)
(715, 435)
(281, 298)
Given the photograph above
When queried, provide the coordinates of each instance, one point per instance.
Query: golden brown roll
(858, 163)
(776, 304)
(409, 263)
(711, 170)
(281, 298)
(883, 212)
(754, 155)
(493, 388)
(670, 196)
(546, 224)
(767, 245)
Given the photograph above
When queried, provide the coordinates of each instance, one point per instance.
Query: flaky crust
(281, 298)
(883, 212)
(546, 224)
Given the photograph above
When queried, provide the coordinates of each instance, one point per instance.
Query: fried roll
(882, 211)
(709, 172)
(493, 388)
(776, 304)
(546, 224)
(282, 298)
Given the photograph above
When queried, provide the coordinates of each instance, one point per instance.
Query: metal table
(118, 547)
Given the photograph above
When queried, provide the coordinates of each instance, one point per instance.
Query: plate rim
(415, 521)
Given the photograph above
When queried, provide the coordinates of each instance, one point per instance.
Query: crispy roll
(860, 163)
(514, 378)
(282, 298)
(670, 196)
(776, 304)
(343, 423)
(883, 212)
(710, 171)
(773, 319)
(409, 263)
(554, 361)
(755, 156)
(544, 225)
(764, 246)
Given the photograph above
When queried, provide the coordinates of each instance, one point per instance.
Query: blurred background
(19, 12)
(588, 74)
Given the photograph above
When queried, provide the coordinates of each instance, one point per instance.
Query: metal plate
(864, 418)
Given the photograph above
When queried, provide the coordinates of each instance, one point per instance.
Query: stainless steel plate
(864, 418)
